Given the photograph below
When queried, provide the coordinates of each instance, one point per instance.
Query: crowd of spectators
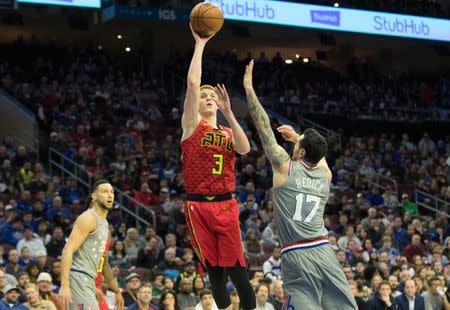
(123, 126)
(312, 88)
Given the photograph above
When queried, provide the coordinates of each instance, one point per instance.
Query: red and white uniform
(103, 305)
(208, 169)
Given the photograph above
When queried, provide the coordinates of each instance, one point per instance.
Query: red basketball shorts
(103, 304)
(215, 232)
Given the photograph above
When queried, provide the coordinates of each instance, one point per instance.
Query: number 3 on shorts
(219, 162)
(311, 204)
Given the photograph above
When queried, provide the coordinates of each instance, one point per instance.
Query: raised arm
(277, 156)
(191, 117)
(85, 224)
(240, 140)
(289, 134)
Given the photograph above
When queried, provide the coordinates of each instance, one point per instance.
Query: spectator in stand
(55, 272)
(414, 248)
(23, 280)
(13, 266)
(59, 214)
(144, 298)
(13, 232)
(57, 243)
(277, 296)
(131, 244)
(382, 298)
(400, 235)
(24, 204)
(118, 255)
(206, 301)
(146, 196)
(45, 285)
(169, 266)
(29, 221)
(272, 266)
(262, 296)
(34, 244)
(168, 301)
(185, 297)
(11, 299)
(132, 284)
(408, 206)
(42, 232)
(359, 301)
(269, 235)
(150, 256)
(435, 297)
(171, 242)
(349, 235)
(70, 193)
(409, 298)
(25, 258)
(34, 300)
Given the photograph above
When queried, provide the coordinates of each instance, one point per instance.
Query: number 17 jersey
(209, 160)
(299, 204)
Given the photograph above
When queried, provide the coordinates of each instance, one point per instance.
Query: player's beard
(103, 206)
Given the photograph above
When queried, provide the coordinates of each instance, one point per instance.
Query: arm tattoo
(274, 152)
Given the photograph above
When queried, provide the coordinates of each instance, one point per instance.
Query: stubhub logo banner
(321, 17)
(326, 17)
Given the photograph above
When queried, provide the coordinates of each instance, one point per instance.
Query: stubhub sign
(321, 17)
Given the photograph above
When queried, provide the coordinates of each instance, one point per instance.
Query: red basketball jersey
(208, 160)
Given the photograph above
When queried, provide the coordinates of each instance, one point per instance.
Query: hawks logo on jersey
(218, 140)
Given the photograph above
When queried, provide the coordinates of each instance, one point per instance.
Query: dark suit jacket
(402, 301)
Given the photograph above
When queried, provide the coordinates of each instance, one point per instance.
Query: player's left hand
(248, 76)
(120, 303)
(223, 100)
(288, 133)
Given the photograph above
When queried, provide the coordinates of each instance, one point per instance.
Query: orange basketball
(206, 19)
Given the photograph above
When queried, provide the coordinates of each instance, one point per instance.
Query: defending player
(81, 256)
(311, 273)
(208, 168)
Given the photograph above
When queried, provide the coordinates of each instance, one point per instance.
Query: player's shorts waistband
(307, 244)
(209, 198)
(83, 272)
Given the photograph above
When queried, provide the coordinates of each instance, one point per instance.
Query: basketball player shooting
(208, 170)
(312, 276)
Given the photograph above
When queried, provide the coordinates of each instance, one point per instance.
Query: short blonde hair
(208, 87)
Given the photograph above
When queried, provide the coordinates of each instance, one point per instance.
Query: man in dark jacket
(409, 299)
(382, 299)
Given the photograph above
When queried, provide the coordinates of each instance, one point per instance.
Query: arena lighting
(100, 47)
(305, 60)
(119, 36)
(288, 61)
(336, 5)
(335, 18)
(297, 56)
(127, 49)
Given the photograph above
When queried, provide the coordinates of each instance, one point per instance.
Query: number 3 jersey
(299, 204)
(209, 160)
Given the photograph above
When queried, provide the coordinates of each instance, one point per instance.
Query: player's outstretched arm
(274, 152)
(191, 117)
(240, 141)
(85, 224)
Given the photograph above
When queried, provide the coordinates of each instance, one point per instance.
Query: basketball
(206, 19)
